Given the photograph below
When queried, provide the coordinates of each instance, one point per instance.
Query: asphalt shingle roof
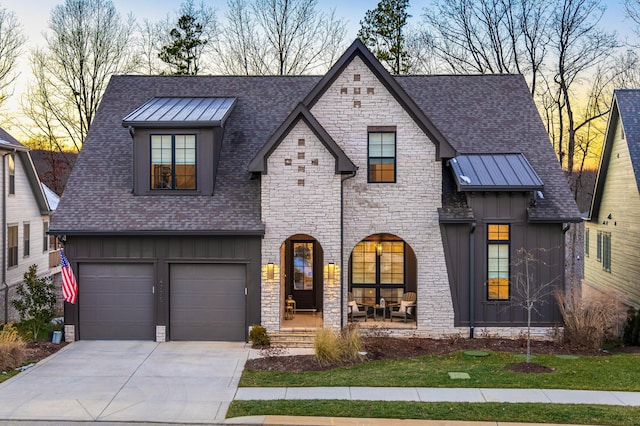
(482, 114)
(476, 114)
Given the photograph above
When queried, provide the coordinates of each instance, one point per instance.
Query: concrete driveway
(122, 381)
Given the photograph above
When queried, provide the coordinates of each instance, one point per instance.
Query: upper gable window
(173, 162)
(382, 156)
(12, 174)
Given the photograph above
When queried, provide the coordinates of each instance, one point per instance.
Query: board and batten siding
(163, 251)
(621, 199)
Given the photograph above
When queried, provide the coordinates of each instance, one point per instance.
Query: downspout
(472, 272)
(352, 175)
(4, 236)
(567, 290)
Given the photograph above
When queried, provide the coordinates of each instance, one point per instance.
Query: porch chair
(356, 310)
(406, 308)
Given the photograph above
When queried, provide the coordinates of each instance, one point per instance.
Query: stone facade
(301, 198)
(300, 194)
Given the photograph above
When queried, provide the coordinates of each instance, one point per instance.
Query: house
(25, 223)
(612, 236)
(200, 205)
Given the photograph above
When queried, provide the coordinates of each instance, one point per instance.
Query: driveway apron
(128, 381)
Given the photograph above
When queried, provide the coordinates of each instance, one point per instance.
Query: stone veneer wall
(407, 208)
(300, 195)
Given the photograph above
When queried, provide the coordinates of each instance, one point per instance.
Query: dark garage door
(207, 302)
(116, 302)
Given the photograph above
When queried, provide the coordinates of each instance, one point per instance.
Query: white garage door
(115, 302)
(207, 302)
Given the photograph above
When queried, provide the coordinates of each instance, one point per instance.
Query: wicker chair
(357, 310)
(406, 309)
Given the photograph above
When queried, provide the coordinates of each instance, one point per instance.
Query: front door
(302, 276)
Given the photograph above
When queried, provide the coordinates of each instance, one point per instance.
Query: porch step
(302, 338)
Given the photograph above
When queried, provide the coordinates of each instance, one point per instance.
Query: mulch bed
(393, 348)
(42, 349)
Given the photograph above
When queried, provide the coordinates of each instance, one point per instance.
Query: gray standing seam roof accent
(182, 111)
(495, 172)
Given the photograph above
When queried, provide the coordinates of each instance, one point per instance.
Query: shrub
(350, 342)
(327, 346)
(589, 322)
(36, 302)
(12, 348)
(332, 348)
(259, 336)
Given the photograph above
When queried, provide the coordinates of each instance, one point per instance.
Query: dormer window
(173, 162)
(177, 144)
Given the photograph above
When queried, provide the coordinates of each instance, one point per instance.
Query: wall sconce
(609, 217)
(379, 248)
(331, 271)
(270, 271)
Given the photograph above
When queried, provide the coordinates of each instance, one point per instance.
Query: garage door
(115, 302)
(207, 302)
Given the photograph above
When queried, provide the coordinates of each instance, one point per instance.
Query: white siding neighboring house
(25, 213)
(612, 233)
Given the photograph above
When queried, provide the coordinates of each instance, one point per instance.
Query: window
(12, 245)
(599, 247)
(173, 162)
(498, 262)
(378, 270)
(26, 238)
(586, 242)
(606, 251)
(382, 157)
(12, 174)
(45, 237)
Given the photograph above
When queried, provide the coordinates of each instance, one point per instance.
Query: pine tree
(183, 53)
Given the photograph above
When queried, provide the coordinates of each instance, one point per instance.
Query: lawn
(618, 372)
(610, 372)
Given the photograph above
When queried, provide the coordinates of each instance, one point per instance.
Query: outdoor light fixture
(331, 271)
(609, 217)
(379, 248)
(270, 271)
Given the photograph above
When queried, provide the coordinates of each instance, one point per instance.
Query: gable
(359, 50)
(623, 127)
(259, 163)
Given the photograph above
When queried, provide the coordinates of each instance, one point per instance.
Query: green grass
(497, 412)
(614, 372)
(8, 375)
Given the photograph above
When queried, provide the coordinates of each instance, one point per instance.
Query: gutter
(342, 180)
(4, 235)
(472, 271)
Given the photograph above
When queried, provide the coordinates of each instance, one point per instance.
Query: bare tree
(11, 40)
(280, 37)
(528, 291)
(579, 45)
(87, 43)
(148, 42)
(490, 36)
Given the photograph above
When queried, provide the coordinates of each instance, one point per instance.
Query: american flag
(69, 284)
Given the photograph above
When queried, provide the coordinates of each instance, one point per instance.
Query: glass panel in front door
(303, 266)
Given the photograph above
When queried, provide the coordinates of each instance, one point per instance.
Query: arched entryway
(382, 266)
(301, 262)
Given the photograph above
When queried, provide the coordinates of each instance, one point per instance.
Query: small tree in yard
(528, 292)
(37, 300)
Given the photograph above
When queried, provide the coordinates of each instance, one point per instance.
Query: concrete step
(294, 339)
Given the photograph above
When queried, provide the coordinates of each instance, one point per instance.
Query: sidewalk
(545, 396)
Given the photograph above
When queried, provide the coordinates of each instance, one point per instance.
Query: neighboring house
(612, 233)
(25, 223)
(200, 204)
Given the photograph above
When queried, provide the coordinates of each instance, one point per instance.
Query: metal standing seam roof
(181, 110)
(495, 172)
